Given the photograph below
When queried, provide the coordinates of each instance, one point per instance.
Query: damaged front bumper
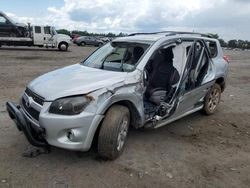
(33, 133)
(74, 132)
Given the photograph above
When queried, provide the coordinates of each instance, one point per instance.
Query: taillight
(226, 58)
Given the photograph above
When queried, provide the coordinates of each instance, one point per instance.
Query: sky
(228, 18)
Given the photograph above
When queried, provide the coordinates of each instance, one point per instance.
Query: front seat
(162, 77)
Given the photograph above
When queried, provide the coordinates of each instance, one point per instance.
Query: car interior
(196, 67)
(162, 77)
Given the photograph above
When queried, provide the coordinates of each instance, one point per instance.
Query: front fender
(133, 101)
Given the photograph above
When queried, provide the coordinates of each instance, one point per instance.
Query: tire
(100, 44)
(83, 44)
(63, 46)
(212, 99)
(113, 132)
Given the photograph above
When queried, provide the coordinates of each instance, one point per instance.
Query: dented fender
(128, 92)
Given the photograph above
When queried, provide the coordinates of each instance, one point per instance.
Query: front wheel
(83, 44)
(63, 46)
(113, 132)
(212, 99)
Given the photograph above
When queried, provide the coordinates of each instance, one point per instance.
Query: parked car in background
(9, 28)
(88, 40)
(142, 80)
(105, 39)
(74, 35)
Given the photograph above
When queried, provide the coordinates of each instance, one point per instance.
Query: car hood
(63, 35)
(74, 80)
(21, 25)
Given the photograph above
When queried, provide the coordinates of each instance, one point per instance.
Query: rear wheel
(212, 99)
(99, 44)
(113, 132)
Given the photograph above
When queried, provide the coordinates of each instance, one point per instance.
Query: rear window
(212, 48)
(37, 29)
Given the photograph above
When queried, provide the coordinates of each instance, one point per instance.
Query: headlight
(69, 105)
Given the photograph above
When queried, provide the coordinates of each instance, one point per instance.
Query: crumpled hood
(74, 80)
(21, 25)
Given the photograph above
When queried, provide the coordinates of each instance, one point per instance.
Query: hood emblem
(28, 102)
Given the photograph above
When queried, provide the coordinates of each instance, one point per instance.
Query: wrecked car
(142, 80)
(9, 28)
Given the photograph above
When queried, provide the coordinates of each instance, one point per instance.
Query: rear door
(87, 40)
(198, 77)
(92, 40)
(38, 35)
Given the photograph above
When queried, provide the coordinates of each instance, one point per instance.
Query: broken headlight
(69, 106)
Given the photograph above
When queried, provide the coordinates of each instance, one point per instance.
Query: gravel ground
(196, 151)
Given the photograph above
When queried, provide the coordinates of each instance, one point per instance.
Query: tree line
(244, 44)
(86, 33)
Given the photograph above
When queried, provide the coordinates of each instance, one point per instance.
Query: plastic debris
(169, 175)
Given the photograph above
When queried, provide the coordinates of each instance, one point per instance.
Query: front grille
(31, 111)
(38, 99)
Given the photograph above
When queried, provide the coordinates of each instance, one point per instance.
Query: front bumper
(52, 129)
(33, 133)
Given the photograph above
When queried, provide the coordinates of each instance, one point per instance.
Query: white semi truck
(41, 36)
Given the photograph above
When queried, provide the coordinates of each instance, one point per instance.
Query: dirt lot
(196, 151)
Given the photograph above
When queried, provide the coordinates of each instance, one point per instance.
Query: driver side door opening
(163, 74)
(178, 77)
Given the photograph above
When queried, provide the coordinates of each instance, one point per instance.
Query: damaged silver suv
(143, 80)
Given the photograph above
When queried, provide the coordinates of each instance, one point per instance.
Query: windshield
(116, 56)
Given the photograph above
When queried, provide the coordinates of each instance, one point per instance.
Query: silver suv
(143, 80)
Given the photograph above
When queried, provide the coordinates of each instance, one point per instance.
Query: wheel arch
(221, 82)
(135, 117)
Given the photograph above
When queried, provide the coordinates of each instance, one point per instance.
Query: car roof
(153, 37)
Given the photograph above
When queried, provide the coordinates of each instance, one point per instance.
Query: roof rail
(169, 33)
(150, 33)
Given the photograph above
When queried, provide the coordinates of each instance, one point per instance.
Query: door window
(212, 48)
(197, 65)
(37, 29)
(47, 30)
